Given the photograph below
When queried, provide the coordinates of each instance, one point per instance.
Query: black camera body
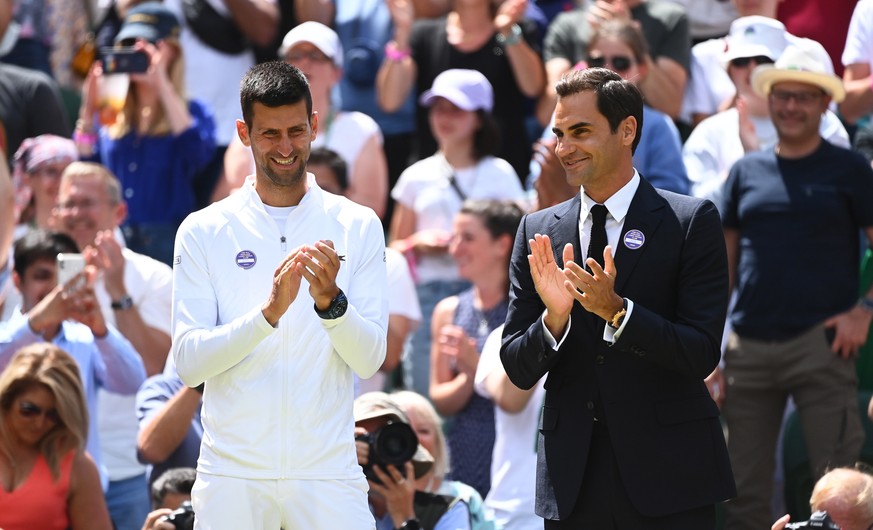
(183, 518)
(816, 520)
(394, 444)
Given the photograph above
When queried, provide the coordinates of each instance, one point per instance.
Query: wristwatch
(618, 317)
(125, 302)
(411, 524)
(336, 309)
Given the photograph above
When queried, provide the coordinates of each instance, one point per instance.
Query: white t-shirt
(514, 459)
(425, 188)
(859, 38)
(714, 146)
(149, 283)
(402, 300)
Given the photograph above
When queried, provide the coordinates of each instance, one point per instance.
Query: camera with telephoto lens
(816, 520)
(394, 444)
(183, 518)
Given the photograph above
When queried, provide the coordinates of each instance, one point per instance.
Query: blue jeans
(416, 366)
(128, 502)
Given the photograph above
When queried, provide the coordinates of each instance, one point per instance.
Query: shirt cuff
(610, 334)
(550, 340)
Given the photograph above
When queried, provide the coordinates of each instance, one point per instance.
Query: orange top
(39, 502)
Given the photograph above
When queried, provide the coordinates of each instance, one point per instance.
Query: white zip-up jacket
(278, 402)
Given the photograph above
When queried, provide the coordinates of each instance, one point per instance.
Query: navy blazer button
(599, 359)
(590, 405)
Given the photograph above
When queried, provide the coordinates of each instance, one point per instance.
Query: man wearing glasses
(791, 218)
(134, 293)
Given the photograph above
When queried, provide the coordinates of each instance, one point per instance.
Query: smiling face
(796, 110)
(477, 253)
(85, 207)
(591, 154)
(281, 140)
(32, 415)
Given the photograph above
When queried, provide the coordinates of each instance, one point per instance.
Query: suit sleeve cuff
(547, 335)
(612, 335)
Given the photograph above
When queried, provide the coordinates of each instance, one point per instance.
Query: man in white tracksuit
(278, 358)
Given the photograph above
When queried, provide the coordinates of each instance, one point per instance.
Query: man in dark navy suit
(630, 438)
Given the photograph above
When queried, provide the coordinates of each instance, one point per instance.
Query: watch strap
(125, 302)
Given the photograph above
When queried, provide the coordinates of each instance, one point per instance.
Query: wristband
(393, 53)
(85, 139)
(866, 304)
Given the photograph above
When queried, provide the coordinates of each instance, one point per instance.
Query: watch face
(339, 306)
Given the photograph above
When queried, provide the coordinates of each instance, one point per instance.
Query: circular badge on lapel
(246, 259)
(634, 239)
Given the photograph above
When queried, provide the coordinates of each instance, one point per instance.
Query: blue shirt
(456, 518)
(108, 362)
(151, 398)
(156, 172)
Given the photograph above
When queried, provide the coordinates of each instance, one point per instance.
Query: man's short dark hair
(273, 84)
(40, 245)
(178, 480)
(616, 98)
(500, 217)
(336, 163)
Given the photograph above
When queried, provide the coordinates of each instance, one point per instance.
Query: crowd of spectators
(436, 114)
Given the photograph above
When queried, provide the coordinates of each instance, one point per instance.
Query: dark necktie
(598, 234)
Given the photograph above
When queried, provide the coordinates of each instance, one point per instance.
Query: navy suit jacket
(662, 423)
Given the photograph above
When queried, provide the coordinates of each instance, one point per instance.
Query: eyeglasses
(802, 98)
(30, 410)
(69, 206)
(314, 56)
(742, 62)
(619, 63)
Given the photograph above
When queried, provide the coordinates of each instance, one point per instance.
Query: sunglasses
(30, 410)
(619, 63)
(742, 62)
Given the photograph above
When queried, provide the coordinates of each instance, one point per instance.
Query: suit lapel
(564, 229)
(644, 215)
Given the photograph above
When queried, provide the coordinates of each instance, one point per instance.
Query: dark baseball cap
(150, 21)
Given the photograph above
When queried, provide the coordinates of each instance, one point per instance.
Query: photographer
(846, 495)
(400, 500)
(171, 497)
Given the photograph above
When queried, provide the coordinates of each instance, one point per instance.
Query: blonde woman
(47, 481)
(158, 141)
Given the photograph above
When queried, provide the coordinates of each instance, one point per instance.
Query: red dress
(40, 502)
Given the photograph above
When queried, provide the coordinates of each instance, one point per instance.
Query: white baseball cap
(467, 89)
(317, 34)
(755, 36)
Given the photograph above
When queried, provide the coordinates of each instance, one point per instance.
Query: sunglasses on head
(742, 62)
(619, 63)
(30, 410)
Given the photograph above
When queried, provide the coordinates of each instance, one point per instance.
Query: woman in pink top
(47, 481)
